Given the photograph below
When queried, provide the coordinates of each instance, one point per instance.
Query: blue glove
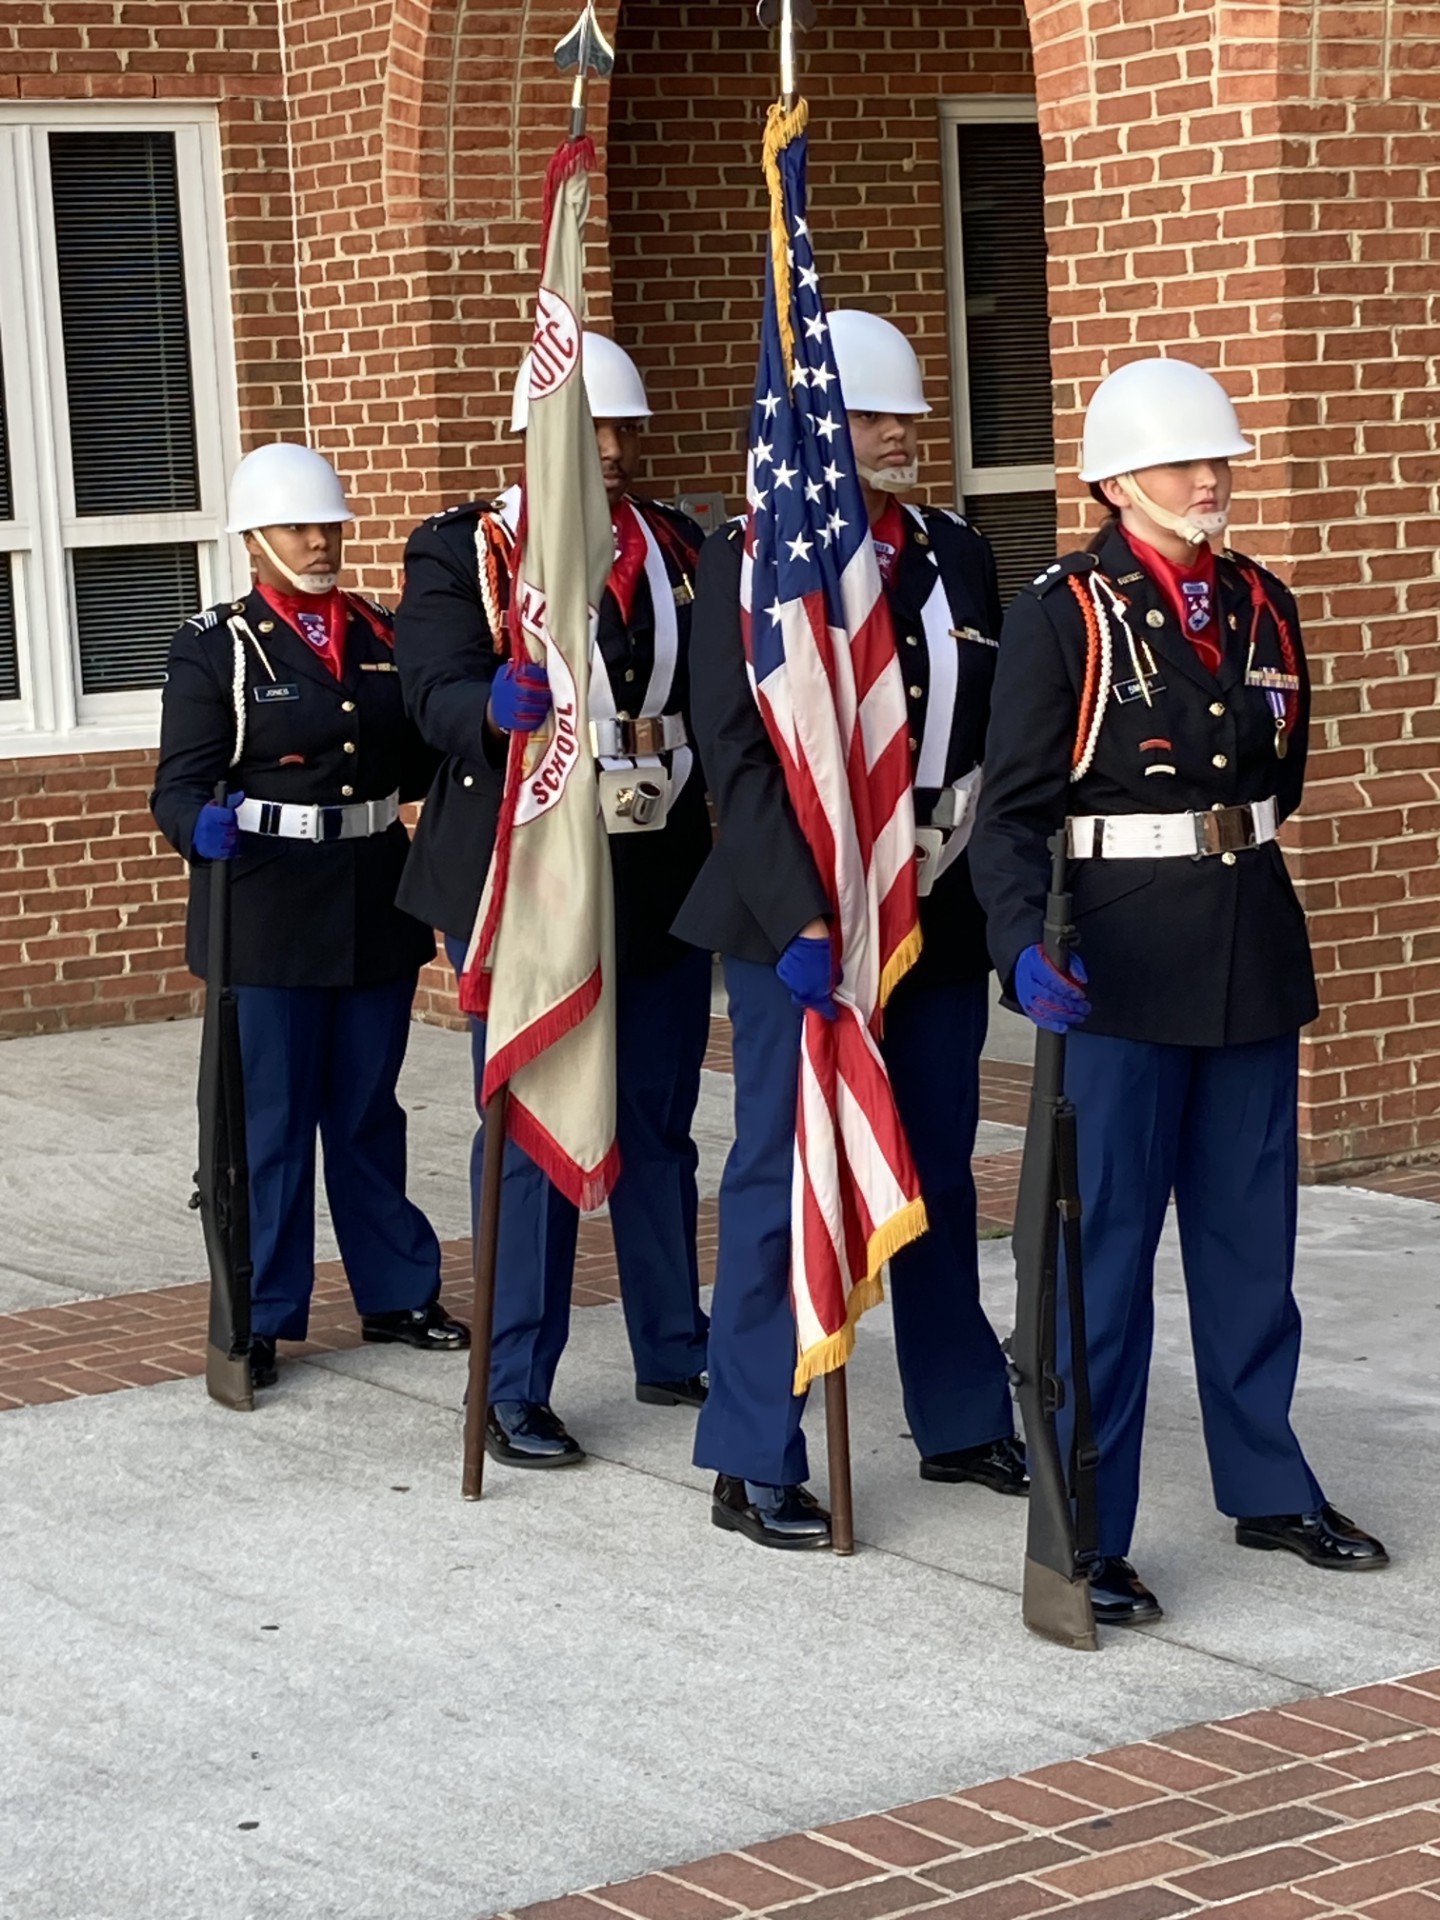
(217, 831)
(805, 968)
(520, 697)
(1053, 1000)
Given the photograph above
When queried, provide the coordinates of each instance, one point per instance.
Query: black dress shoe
(1119, 1596)
(998, 1465)
(673, 1393)
(1324, 1538)
(429, 1328)
(789, 1517)
(526, 1433)
(263, 1370)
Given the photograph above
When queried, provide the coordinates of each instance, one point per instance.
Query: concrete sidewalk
(274, 1666)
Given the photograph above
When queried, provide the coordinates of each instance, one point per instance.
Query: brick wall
(687, 200)
(1257, 188)
(90, 903)
(1253, 186)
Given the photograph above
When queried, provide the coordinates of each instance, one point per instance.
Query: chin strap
(1196, 528)
(301, 582)
(891, 479)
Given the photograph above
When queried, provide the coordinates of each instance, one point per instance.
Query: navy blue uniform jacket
(302, 914)
(1189, 952)
(447, 659)
(759, 886)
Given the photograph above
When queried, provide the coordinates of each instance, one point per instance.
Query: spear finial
(586, 49)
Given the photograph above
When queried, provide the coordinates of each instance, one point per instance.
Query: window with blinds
(1000, 330)
(122, 421)
(120, 266)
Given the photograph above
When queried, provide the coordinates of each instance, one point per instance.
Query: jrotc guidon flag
(540, 965)
(821, 653)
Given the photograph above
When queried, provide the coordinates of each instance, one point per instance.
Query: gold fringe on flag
(781, 127)
(900, 963)
(836, 1348)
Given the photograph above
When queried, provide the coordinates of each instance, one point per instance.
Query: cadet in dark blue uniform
(1154, 695)
(449, 649)
(291, 694)
(761, 904)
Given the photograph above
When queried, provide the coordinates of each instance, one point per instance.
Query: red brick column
(1253, 188)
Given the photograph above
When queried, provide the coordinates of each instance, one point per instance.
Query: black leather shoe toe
(998, 1465)
(263, 1370)
(673, 1393)
(1323, 1538)
(525, 1433)
(430, 1329)
(786, 1517)
(1119, 1597)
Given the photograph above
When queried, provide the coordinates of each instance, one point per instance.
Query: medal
(1282, 741)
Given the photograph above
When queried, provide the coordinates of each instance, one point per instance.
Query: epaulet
(202, 622)
(658, 507)
(457, 515)
(733, 530)
(377, 607)
(945, 513)
(1058, 570)
(1252, 566)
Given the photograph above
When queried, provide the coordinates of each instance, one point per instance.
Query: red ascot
(1190, 591)
(319, 618)
(888, 534)
(629, 556)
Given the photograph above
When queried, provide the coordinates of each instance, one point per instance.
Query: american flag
(821, 653)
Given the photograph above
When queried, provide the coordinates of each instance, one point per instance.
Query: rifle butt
(1058, 1608)
(227, 1380)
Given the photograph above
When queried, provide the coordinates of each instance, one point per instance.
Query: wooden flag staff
(589, 53)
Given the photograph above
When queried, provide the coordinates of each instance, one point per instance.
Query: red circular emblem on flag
(555, 350)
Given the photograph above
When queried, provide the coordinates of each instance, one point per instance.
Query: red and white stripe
(837, 715)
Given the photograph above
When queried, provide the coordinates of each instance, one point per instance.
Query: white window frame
(973, 481)
(53, 714)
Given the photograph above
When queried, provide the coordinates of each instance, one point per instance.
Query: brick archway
(472, 106)
(687, 202)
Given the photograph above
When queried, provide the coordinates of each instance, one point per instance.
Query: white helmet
(878, 370)
(1154, 412)
(612, 384)
(284, 485)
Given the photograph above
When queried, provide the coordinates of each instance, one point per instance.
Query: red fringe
(540, 1034)
(584, 1187)
(569, 158)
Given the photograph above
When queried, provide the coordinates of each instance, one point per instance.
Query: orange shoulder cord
(1084, 748)
(493, 551)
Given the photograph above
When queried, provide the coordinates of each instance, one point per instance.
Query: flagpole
(482, 1316)
(586, 49)
(788, 15)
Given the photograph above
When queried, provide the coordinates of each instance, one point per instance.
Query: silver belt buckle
(1224, 830)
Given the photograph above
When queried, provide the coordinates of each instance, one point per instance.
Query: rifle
(1062, 1519)
(222, 1181)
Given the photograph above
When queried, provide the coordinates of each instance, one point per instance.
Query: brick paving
(1322, 1807)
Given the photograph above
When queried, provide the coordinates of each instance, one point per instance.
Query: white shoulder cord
(240, 633)
(238, 690)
